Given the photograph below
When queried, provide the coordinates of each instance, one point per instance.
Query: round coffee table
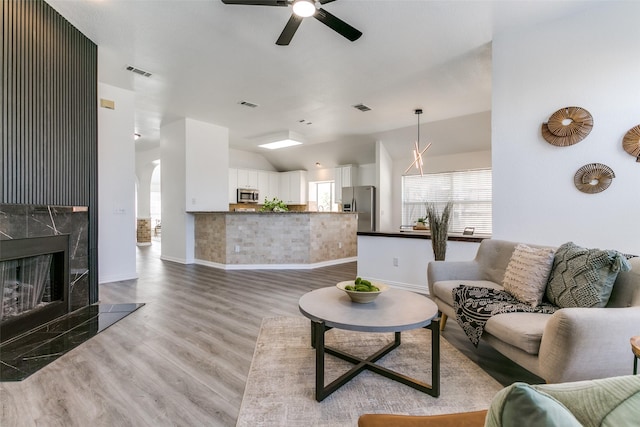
(393, 311)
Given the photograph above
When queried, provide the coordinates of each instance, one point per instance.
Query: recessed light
(280, 144)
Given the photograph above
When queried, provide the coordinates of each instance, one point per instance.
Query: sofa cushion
(443, 289)
(583, 277)
(521, 330)
(527, 273)
(527, 406)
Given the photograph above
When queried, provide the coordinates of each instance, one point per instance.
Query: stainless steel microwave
(248, 195)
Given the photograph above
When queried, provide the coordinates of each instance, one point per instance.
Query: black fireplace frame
(58, 246)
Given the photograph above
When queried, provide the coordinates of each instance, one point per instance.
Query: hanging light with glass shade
(417, 153)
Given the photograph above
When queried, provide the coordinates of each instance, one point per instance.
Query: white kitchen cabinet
(233, 185)
(344, 176)
(268, 185)
(293, 187)
(248, 178)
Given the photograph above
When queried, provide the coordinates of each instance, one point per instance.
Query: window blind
(470, 192)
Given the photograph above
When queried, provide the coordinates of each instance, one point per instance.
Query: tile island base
(270, 240)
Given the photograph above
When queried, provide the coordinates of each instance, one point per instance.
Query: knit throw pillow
(527, 273)
(583, 277)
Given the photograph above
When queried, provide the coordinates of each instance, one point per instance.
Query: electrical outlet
(395, 262)
(193, 200)
(237, 248)
(339, 245)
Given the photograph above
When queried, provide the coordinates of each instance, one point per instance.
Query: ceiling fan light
(304, 8)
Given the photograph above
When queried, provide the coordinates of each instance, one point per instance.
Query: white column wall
(116, 187)
(207, 171)
(588, 61)
(384, 189)
(177, 225)
(194, 177)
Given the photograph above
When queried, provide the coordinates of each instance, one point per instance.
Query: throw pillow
(527, 273)
(526, 406)
(583, 277)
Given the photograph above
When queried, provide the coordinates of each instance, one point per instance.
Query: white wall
(588, 61)
(207, 174)
(144, 171)
(249, 160)
(116, 187)
(384, 189)
(402, 262)
(367, 174)
(434, 164)
(194, 174)
(177, 225)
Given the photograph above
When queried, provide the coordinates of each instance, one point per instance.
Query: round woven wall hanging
(567, 126)
(631, 142)
(593, 178)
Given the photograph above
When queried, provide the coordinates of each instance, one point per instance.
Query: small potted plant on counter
(274, 205)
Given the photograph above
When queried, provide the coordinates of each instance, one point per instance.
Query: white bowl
(359, 296)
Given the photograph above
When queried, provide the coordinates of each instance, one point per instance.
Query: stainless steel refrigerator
(363, 201)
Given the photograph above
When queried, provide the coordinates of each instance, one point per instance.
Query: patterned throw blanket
(475, 305)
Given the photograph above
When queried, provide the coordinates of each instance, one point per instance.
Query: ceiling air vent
(248, 104)
(362, 107)
(138, 71)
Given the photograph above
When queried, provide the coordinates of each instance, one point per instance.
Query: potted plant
(439, 225)
(274, 205)
(421, 223)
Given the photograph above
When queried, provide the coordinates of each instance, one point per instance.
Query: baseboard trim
(404, 286)
(274, 266)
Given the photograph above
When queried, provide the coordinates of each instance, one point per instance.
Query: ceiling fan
(301, 10)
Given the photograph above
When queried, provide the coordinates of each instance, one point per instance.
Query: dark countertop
(269, 213)
(423, 235)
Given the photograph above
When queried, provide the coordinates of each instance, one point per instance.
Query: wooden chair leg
(443, 321)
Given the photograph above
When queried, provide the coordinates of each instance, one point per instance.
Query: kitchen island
(274, 240)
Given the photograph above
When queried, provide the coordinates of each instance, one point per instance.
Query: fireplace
(34, 283)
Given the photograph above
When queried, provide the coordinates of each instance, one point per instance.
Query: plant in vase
(439, 225)
(274, 205)
(421, 224)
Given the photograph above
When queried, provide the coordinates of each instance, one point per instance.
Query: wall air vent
(138, 71)
(362, 107)
(248, 104)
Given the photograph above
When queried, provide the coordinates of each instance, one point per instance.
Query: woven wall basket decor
(631, 142)
(567, 126)
(593, 178)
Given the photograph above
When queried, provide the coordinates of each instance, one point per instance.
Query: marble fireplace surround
(41, 221)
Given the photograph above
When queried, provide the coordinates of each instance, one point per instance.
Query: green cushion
(583, 277)
(525, 406)
(625, 414)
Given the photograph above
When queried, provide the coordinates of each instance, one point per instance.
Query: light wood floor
(183, 358)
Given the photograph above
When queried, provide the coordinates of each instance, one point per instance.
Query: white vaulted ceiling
(205, 57)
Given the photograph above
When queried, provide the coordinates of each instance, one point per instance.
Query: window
(470, 192)
(322, 196)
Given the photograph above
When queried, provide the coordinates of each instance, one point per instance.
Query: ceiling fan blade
(289, 30)
(258, 2)
(337, 24)
(325, 1)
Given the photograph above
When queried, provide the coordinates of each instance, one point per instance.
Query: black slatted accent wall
(49, 114)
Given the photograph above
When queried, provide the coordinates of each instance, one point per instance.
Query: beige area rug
(280, 390)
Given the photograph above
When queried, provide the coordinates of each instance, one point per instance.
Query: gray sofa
(571, 344)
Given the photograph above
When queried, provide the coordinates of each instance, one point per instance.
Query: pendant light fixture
(417, 154)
